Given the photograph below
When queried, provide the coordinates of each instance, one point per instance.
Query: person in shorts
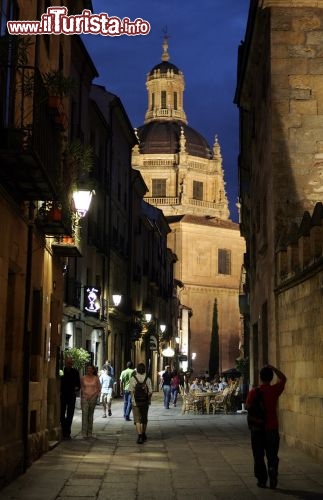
(107, 385)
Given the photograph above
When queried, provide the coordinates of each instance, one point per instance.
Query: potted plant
(58, 86)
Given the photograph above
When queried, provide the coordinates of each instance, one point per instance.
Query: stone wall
(297, 108)
(300, 331)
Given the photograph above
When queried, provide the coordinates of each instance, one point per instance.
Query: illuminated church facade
(185, 179)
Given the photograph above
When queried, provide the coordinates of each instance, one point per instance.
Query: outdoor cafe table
(205, 398)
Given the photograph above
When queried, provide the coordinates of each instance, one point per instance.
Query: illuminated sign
(92, 297)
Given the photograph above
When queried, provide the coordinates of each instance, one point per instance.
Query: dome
(163, 137)
(165, 66)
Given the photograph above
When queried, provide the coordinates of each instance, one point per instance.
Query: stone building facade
(185, 180)
(279, 95)
(52, 255)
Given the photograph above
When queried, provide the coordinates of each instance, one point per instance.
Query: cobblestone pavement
(186, 457)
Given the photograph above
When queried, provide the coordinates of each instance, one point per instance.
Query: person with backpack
(263, 423)
(141, 392)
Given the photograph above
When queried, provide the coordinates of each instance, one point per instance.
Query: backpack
(256, 417)
(141, 392)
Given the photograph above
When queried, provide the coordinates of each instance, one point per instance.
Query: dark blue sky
(203, 43)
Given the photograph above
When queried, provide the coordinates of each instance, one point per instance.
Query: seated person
(223, 384)
(196, 385)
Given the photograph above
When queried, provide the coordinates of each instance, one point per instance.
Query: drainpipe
(26, 339)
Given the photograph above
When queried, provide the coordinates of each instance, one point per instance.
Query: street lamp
(82, 200)
(168, 352)
(148, 317)
(116, 299)
(162, 328)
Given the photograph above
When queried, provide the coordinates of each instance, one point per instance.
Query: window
(158, 187)
(224, 261)
(152, 100)
(197, 190)
(175, 100)
(163, 99)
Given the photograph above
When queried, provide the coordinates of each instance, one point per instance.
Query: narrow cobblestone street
(185, 457)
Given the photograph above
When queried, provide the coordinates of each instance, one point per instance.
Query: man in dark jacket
(70, 385)
(265, 439)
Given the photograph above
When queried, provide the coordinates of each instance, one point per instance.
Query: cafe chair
(216, 403)
(190, 404)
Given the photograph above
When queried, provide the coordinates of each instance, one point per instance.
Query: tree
(214, 348)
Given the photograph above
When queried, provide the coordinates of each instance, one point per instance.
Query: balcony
(54, 219)
(66, 246)
(29, 137)
(164, 200)
(205, 204)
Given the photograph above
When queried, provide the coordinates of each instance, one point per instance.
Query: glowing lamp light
(116, 299)
(168, 352)
(162, 328)
(193, 355)
(147, 317)
(82, 200)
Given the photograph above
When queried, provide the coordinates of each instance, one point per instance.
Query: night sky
(204, 37)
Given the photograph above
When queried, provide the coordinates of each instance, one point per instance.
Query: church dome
(163, 137)
(165, 66)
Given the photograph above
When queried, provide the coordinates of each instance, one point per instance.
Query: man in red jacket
(265, 440)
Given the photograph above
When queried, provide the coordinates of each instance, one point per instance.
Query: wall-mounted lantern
(82, 200)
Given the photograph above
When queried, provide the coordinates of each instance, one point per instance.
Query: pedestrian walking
(90, 390)
(70, 385)
(107, 385)
(166, 385)
(109, 367)
(125, 377)
(264, 431)
(174, 388)
(141, 391)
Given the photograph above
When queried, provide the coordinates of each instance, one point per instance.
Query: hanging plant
(79, 356)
